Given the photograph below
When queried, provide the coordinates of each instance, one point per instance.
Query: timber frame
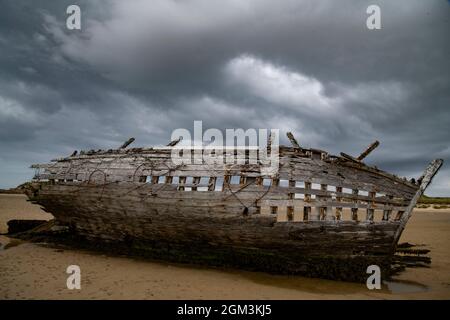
(291, 222)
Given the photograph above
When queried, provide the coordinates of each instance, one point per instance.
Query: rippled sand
(36, 271)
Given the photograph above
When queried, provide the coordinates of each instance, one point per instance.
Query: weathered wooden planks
(295, 215)
(85, 207)
(131, 169)
(156, 171)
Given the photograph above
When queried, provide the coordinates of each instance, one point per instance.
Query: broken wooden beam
(426, 178)
(127, 143)
(349, 157)
(368, 150)
(293, 140)
(174, 142)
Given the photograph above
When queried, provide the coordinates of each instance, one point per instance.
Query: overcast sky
(144, 68)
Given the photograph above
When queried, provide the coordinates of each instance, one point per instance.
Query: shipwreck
(320, 215)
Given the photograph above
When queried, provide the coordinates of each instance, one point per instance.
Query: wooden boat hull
(246, 223)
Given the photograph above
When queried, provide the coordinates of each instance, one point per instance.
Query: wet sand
(38, 271)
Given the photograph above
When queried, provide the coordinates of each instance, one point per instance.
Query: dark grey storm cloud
(144, 68)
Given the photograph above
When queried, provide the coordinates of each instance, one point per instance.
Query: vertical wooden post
(307, 207)
(291, 195)
(315, 213)
(195, 181)
(182, 181)
(387, 212)
(282, 214)
(370, 210)
(298, 210)
(212, 183)
(328, 210)
(275, 182)
(355, 210)
(399, 215)
(338, 199)
(319, 198)
(290, 213)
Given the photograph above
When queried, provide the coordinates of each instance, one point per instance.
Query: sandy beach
(38, 271)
